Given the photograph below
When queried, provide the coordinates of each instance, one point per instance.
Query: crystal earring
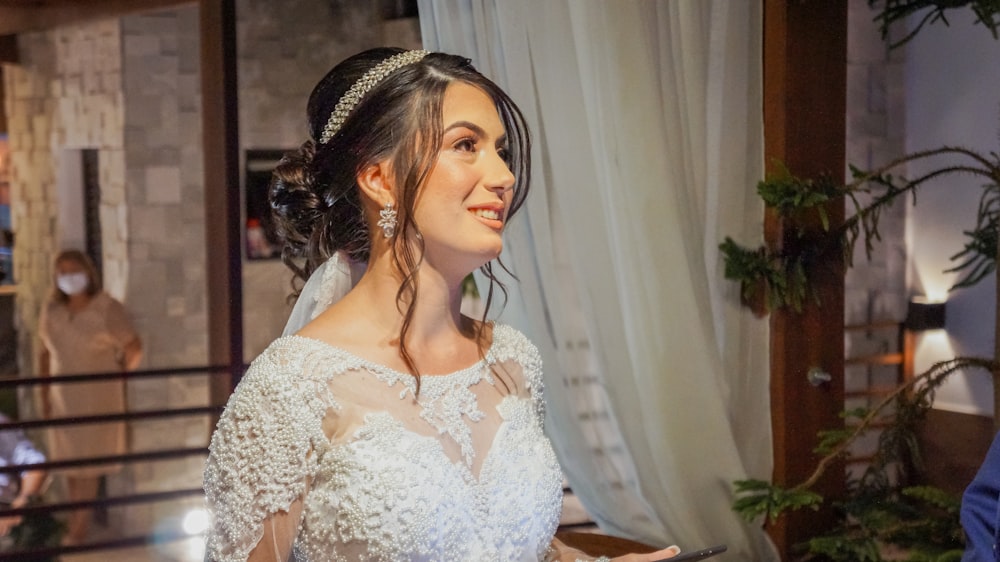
(387, 220)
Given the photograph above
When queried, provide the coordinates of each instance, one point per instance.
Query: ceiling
(19, 16)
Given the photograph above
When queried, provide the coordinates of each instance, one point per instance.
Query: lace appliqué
(391, 494)
(446, 400)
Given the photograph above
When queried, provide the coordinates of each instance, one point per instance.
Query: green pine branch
(987, 14)
(783, 274)
(911, 399)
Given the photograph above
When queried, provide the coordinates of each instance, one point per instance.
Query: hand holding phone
(692, 555)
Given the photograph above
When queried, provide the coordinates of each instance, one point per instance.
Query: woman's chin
(492, 253)
(466, 257)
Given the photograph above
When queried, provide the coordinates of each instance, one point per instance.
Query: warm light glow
(931, 281)
(931, 346)
(937, 342)
(934, 297)
(195, 522)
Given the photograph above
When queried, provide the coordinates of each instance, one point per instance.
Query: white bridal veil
(327, 285)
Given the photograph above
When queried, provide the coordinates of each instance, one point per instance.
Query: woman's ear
(375, 182)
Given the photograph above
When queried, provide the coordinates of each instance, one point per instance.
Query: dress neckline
(379, 368)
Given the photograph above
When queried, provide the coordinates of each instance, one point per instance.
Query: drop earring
(387, 220)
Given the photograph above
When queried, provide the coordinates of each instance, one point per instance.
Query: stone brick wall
(65, 94)
(130, 88)
(874, 290)
(164, 189)
(284, 49)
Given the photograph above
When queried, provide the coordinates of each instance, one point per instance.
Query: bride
(389, 426)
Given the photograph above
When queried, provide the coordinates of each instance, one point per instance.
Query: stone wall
(130, 88)
(284, 49)
(874, 289)
(166, 292)
(65, 94)
(69, 92)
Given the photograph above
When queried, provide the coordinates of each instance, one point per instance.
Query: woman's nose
(499, 177)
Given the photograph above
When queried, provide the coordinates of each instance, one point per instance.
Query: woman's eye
(504, 153)
(466, 144)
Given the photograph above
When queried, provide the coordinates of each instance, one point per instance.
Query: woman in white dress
(391, 427)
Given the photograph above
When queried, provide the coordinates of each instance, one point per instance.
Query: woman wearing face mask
(84, 330)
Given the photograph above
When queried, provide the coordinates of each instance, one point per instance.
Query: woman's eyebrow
(501, 140)
(468, 125)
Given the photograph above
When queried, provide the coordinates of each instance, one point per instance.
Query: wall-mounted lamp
(922, 315)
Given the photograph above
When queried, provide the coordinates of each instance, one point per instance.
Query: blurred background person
(84, 330)
(17, 491)
(23, 489)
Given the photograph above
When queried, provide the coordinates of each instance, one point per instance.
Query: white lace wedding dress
(460, 471)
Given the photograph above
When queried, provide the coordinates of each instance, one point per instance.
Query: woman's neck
(437, 313)
(368, 321)
(77, 301)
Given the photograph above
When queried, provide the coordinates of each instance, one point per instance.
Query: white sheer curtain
(648, 143)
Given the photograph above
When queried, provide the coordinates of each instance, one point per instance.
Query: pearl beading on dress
(385, 491)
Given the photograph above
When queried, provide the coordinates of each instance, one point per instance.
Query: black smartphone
(692, 555)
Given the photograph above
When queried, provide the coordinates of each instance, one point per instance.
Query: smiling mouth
(487, 214)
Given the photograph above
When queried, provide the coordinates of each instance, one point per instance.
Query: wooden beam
(21, 17)
(8, 49)
(223, 254)
(3, 104)
(805, 76)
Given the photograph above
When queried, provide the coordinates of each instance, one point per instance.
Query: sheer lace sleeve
(263, 452)
(515, 345)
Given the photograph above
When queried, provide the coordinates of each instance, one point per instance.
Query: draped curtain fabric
(648, 133)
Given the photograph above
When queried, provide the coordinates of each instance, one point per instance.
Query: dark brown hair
(93, 279)
(314, 196)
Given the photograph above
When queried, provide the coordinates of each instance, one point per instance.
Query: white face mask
(72, 283)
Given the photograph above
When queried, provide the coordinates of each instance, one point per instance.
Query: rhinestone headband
(358, 90)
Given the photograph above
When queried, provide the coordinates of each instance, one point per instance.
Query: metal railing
(153, 455)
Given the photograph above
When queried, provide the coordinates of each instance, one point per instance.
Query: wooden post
(8, 54)
(222, 193)
(805, 72)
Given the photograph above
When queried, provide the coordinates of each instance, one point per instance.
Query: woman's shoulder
(300, 359)
(102, 300)
(511, 343)
(288, 376)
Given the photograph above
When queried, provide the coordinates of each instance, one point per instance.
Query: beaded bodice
(459, 471)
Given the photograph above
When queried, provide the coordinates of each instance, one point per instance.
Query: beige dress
(91, 340)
